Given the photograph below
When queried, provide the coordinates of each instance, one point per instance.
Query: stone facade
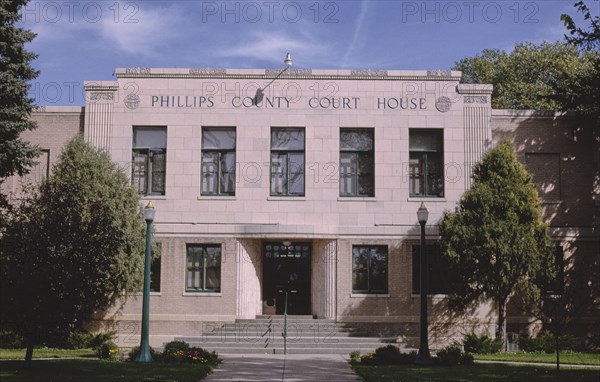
(392, 105)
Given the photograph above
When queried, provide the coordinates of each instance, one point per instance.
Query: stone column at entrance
(248, 279)
(324, 267)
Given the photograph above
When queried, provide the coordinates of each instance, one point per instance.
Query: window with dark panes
(441, 277)
(369, 269)
(426, 162)
(218, 161)
(155, 275)
(203, 268)
(357, 162)
(149, 160)
(556, 284)
(287, 161)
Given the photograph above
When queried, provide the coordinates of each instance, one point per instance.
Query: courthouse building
(314, 190)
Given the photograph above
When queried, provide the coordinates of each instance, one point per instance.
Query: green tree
(16, 156)
(75, 247)
(546, 76)
(586, 39)
(495, 238)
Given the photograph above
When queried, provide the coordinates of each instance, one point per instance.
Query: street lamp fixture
(424, 357)
(260, 92)
(144, 356)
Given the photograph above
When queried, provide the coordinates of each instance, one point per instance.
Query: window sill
(356, 199)
(353, 295)
(202, 294)
(427, 199)
(153, 197)
(216, 197)
(287, 198)
(430, 295)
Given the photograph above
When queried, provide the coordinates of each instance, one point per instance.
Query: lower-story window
(369, 269)
(440, 277)
(203, 268)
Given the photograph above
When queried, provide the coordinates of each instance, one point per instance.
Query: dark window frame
(286, 154)
(426, 158)
(370, 276)
(220, 155)
(358, 156)
(202, 269)
(147, 174)
(440, 275)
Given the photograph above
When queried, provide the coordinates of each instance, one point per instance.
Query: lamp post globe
(423, 357)
(144, 356)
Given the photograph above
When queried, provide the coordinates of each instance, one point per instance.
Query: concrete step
(292, 340)
(305, 336)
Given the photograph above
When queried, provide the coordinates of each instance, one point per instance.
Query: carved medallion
(443, 104)
(132, 101)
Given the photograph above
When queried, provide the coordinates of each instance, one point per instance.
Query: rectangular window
(149, 161)
(369, 269)
(556, 285)
(218, 161)
(155, 275)
(426, 163)
(357, 162)
(287, 162)
(545, 172)
(203, 265)
(440, 274)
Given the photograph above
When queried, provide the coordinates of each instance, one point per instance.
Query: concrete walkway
(290, 368)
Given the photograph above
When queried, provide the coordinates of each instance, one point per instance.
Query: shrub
(546, 342)
(481, 344)
(11, 340)
(592, 342)
(135, 351)
(453, 355)
(108, 351)
(96, 340)
(199, 355)
(387, 355)
(175, 351)
(78, 340)
(368, 359)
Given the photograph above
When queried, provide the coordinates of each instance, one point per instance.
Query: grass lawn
(566, 357)
(474, 373)
(18, 354)
(90, 370)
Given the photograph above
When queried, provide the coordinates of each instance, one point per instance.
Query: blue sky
(87, 40)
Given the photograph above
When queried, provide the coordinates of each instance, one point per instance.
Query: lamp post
(423, 358)
(260, 92)
(144, 355)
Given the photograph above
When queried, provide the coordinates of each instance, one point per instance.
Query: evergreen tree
(16, 156)
(495, 238)
(77, 245)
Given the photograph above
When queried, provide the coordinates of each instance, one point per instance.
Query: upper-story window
(218, 161)
(357, 164)
(287, 161)
(426, 174)
(149, 160)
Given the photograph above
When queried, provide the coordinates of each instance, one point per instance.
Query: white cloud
(364, 7)
(146, 33)
(263, 45)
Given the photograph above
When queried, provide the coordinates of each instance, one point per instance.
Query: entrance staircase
(305, 335)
